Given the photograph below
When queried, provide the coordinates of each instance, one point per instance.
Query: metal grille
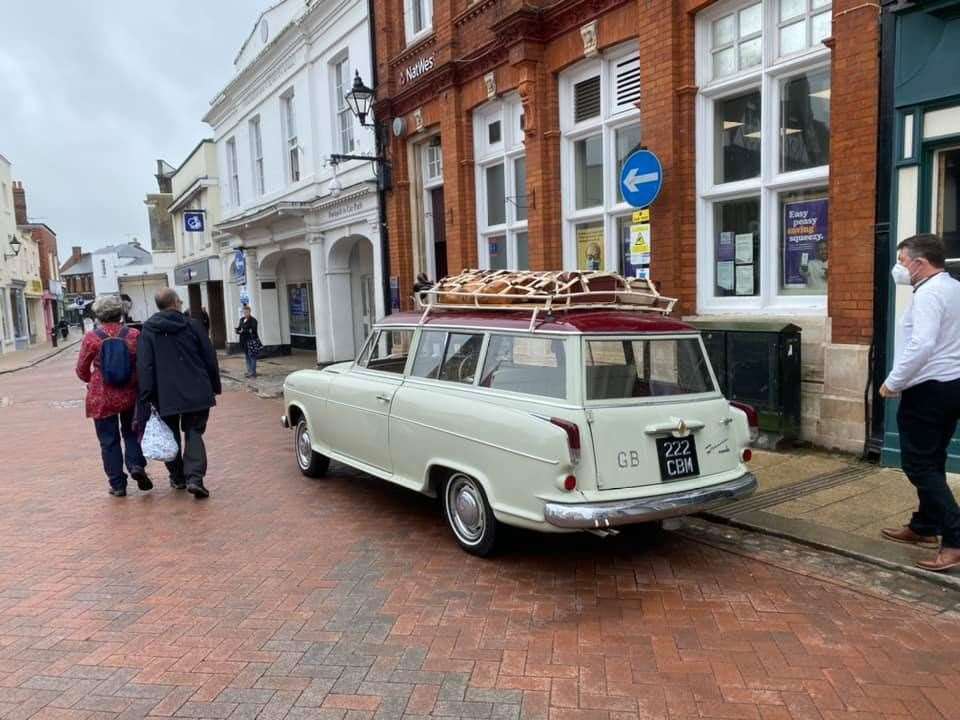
(627, 82)
(586, 99)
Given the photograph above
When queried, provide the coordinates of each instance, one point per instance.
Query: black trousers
(927, 419)
(191, 460)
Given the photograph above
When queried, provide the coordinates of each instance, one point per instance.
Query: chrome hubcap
(304, 448)
(466, 508)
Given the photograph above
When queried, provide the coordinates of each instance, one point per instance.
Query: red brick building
(46, 240)
(511, 121)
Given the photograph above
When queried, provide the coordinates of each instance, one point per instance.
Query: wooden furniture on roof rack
(553, 291)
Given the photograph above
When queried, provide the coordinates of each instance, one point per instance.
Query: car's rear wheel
(311, 463)
(469, 515)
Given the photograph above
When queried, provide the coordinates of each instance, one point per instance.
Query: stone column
(253, 281)
(321, 306)
(378, 279)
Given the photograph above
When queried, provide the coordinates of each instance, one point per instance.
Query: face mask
(901, 276)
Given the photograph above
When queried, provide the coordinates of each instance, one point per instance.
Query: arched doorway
(286, 300)
(350, 274)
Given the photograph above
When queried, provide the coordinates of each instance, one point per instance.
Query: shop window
(762, 233)
(738, 137)
(805, 121)
(601, 129)
(947, 202)
(501, 185)
(300, 305)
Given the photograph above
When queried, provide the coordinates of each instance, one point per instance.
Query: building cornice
(192, 190)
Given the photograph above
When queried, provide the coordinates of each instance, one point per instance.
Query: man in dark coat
(178, 374)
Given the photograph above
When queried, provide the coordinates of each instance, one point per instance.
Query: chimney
(19, 203)
(77, 252)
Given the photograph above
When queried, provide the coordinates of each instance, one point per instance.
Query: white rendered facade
(313, 259)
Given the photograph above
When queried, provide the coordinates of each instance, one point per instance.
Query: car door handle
(384, 398)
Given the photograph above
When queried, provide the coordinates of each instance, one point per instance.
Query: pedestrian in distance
(203, 317)
(108, 363)
(179, 376)
(421, 286)
(249, 340)
(926, 376)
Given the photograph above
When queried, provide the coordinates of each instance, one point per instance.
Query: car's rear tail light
(753, 418)
(570, 482)
(746, 455)
(573, 437)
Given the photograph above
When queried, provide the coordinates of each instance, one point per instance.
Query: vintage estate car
(578, 419)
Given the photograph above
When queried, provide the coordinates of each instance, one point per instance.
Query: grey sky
(93, 92)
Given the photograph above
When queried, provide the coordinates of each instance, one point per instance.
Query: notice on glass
(590, 247)
(805, 244)
(725, 274)
(725, 247)
(744, 243)
(640, 244)
(744, 279)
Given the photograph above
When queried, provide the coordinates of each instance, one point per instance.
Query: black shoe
(143, 480)
(178, 483)
(118, 492)
(196, 488)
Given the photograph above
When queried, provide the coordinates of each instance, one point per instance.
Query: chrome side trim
(587, 516)
(285, 421)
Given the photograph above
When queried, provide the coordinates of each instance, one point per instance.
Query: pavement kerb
(881, 553)
(37, 361)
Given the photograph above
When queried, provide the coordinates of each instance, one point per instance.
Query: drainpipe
(384, 180)
(874, 405)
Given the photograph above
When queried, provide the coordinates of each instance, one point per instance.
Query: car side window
(448, 356)
(532, 365)
(388, 352)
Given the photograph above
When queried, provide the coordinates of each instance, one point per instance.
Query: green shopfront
(925, 187)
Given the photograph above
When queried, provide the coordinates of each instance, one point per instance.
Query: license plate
(678, 457)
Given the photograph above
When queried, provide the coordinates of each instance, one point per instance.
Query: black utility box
(758, 363)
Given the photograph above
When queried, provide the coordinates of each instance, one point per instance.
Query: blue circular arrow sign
(641, 178)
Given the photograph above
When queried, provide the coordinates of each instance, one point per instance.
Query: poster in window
(805, 244)
(744, 247)
(744, 279)
(590, 247)
(725, 274)
(725, 247)
(640, 244)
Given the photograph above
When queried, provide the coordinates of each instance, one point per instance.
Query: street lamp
(14, 247)
(360, 98)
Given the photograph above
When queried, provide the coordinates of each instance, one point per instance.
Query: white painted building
(312, 259)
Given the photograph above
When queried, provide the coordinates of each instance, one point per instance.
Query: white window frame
(610, 212)
(256, 155)
(506, 152)
(808, 14)
(291, 144)
(769, 77)
(233, 172)
(343, 118)
(431, 166)
(411, 32)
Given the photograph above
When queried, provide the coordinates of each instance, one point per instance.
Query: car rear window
(631, 368)
(533, 365)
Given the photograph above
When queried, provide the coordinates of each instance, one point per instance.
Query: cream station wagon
(575, 407)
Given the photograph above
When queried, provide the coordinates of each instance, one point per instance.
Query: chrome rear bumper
(587, 516)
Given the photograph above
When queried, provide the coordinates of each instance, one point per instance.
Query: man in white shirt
(926, 376)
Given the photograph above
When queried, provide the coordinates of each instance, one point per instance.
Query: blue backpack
(115, 364)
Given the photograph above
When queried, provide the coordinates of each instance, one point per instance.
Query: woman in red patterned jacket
(112, 406)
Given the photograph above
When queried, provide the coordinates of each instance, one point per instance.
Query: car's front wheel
(311, 463)
(469, 515)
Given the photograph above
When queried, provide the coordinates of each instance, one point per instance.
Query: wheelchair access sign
(641, 178)
(193, 221)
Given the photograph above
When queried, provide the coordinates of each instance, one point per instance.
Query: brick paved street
(346, 598)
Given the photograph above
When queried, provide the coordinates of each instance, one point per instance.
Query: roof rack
(543, 292)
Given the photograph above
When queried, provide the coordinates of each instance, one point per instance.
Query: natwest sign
(419, 68)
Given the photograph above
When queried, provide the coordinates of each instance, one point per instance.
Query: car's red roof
(577, 321)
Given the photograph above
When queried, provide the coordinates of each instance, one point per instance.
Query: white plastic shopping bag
(158, 441)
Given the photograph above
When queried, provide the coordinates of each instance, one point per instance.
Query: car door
(358, 403)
